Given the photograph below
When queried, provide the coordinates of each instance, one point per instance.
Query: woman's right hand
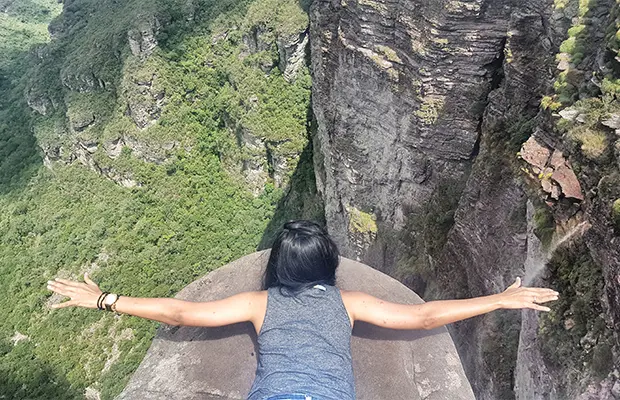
(82, 294)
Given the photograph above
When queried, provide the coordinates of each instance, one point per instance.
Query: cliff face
(423, 108)
(399, 90)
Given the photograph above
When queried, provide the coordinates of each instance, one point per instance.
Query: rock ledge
(219, 363)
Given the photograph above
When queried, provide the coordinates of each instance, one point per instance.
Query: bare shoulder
(352, 298)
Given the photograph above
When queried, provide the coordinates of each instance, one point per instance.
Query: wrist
(497, 301)
(101, 299)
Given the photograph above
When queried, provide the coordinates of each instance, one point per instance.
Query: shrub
(593, 142)
(429, 110)
(568, 46)
(361, 222)
(544, 225)
(615, 213)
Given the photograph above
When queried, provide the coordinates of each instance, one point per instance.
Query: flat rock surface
(193, 363)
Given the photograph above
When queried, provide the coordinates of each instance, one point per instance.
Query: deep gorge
(452, 144)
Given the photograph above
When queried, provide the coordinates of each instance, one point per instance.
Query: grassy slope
(191, 215)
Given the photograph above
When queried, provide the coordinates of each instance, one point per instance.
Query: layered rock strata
(422, 109)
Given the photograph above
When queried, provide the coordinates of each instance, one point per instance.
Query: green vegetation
(429, 110)
(361, 222)
(574, 335)
(593, 143)
(211, 84)
(569, 81)
(22, 25)
(389, 53)
(426, 232)
(587, 134)
(500, 349)
(611, 86)
(547, 102)
(544, 224)
(615, 213)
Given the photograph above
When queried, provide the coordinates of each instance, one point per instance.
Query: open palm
(82, 294)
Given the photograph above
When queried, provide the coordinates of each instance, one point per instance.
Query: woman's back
(304, 346)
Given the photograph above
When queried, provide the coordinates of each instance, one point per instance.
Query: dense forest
(146, 142)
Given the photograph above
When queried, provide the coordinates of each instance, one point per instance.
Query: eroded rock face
(219, 363)
(414, 96)
(399, 90)
(406, 95)
(292, 51)
(142, 40)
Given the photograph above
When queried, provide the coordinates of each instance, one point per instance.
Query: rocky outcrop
(219, 363)
(292, 52)
(550, 167)
(398, 95)
(145, 99)
(143, 39)
(418, 102)
(86, 153)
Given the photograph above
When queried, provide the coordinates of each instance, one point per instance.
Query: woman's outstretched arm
(367, 308)
(238, 308)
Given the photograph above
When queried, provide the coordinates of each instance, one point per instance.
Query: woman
(303, 321)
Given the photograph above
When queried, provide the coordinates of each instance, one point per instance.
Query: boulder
(194, 363)
(612, 121)
(568, 181)
(535, 153)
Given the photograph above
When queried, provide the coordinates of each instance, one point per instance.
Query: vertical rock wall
(422, 107)
(399, 90)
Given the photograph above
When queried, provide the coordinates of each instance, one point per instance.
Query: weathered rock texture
(219, 363)
(422, 107)
(399, 90)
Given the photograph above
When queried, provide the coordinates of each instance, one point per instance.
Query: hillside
(145, 142)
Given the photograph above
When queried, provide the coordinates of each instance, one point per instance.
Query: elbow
(175, 318)
(428, 324)
(431, 322)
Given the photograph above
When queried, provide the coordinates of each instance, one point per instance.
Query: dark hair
(302, 255)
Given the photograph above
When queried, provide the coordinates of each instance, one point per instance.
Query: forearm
(442, 312)
(164, 310)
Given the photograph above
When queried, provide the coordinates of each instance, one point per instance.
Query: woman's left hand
(517, 296)
(82, 294)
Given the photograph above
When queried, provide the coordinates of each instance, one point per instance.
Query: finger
(516, 284)
(537, 307)
(88, 280)
(70, 303)
(68, 282)
(541, 291)
(60, 289)
(538, 292)
(546, 298)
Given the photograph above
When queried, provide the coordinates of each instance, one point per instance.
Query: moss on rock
(615, 213)
(361, 222)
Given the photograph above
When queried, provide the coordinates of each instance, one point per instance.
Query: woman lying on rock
(303, 321)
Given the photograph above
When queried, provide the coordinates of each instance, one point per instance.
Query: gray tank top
(304, 346)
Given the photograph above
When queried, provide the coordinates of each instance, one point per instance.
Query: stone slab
(194, 363)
